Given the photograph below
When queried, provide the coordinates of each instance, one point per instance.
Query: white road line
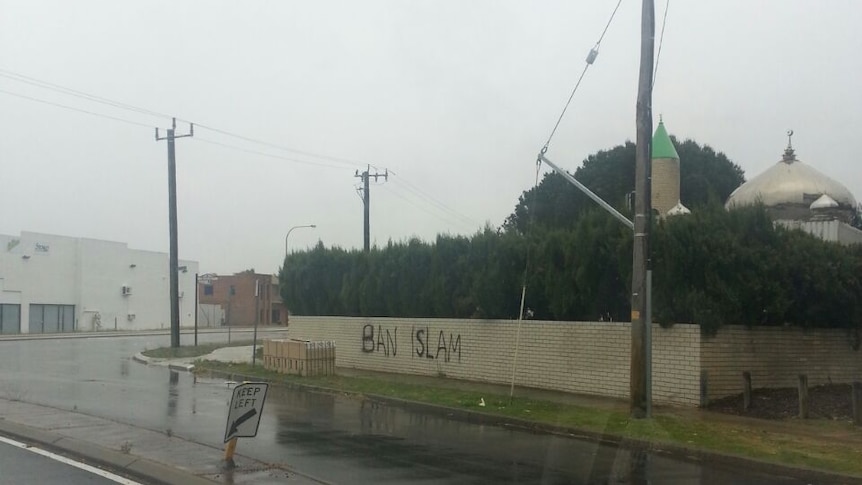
(70, 462)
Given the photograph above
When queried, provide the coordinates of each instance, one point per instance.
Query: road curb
(182, 367)
(128, 464)
(139, 357)
(667, 449)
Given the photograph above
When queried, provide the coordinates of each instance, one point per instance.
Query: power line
(418, 192)
(130, 107)
(660, 41)
(343, 161)
(265, 154)
(123, 120)
(434, 201)
(415, 190)
(72, 108)
(591, 57)
(80, 94)
(424, 209)
(448, 216)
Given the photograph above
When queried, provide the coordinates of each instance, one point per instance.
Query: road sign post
(243, 418)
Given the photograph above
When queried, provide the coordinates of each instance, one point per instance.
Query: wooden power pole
(643, 216)
(173, 263)
(366, 202)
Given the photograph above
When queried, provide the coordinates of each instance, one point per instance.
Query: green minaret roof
(662, 147)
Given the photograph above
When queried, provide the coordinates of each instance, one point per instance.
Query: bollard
(803, 396)
(228, 454)
(857, 403)
(704, 388)
(746, 391)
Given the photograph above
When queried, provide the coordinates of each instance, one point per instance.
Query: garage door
(52, 318)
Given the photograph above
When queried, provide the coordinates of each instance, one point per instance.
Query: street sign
(208, 278)
(246, 406)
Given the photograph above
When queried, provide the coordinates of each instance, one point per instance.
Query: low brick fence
(588, 357)
(577, 357)
(776, 356)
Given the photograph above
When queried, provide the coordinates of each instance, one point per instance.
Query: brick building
(239, 302)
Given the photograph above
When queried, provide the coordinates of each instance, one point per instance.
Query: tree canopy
(705, 176)
(713, 267)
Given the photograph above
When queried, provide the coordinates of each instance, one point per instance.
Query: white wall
(579, 357)
(90, 274)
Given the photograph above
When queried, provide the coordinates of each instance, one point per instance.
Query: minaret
(664, 184)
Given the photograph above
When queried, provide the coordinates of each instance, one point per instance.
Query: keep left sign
(246, 407)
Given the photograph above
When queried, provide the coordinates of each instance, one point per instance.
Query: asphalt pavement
(24, 465)
(91, 391)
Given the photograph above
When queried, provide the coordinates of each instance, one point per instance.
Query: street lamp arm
(312, 226)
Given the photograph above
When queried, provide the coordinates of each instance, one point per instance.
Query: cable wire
(423, 209)
(418, 192)
(343, 161)
(590, 59)
(265, 154)
(523, 290)
(660, 41)
(80, 94)
(130, 107)
(410, 187)
(72, 108)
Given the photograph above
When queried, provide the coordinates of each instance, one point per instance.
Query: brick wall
(676, 364)
(578, 357)
(587, 357)
(775, 356)
(664, 184)
(242, 307)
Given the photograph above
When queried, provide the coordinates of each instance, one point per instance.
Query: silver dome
(790, 183)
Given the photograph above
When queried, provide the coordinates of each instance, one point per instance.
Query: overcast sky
(455, 98)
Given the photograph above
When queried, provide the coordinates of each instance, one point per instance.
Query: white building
(54, 283)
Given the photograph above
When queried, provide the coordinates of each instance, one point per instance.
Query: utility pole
(197, 308)
(643, 215)
(256, 319)
(366, 199)
(172, 216)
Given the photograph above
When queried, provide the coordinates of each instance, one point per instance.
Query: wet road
(20, 466)
(333, 438)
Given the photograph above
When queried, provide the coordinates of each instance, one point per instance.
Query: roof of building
(824, 202)
(678, 210)
(790, 182)
(662, 146)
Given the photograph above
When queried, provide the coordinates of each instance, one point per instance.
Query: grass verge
(825, 445)
(191, 350)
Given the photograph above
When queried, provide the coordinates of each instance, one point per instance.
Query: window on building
(276, 316)
(52, 318)
(208, 290)
(262, 314)
(10, 318)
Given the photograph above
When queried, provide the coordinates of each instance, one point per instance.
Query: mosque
(794, 193)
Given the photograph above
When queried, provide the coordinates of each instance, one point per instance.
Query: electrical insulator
(591, 57)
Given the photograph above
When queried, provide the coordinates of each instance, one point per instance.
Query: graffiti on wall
(424, 343)
(387, 344)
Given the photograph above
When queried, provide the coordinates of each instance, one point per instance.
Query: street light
(312, 226)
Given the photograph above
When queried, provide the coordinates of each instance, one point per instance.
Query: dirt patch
(831, 401)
